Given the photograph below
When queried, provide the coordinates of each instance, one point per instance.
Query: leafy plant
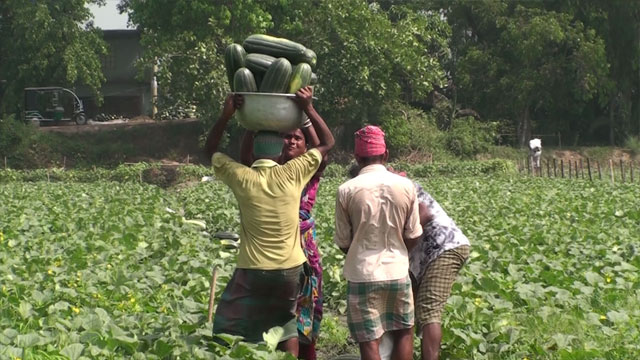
(633, 144)
(115, 270)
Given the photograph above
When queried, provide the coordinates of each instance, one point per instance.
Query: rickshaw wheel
(80, 118)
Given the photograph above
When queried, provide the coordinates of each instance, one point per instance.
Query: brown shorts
(435, 287)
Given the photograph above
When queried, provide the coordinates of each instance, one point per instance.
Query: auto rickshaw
(52, 104)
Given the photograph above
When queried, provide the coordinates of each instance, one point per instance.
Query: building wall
(125, 92)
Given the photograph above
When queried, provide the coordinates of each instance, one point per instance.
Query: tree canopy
(539, 67)
(45, 43)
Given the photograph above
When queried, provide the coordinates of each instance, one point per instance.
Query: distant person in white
(535, 151)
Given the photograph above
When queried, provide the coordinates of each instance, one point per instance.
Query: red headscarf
(370, 141)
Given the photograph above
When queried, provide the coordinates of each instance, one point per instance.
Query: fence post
(576, 172)
(581, 169)
(528, 167)
(589, 169)
(611, 171)
(599, 173)
(569, 169)
(631, 170)
(555, 174)
(562, 167)
(548, 169)
(621, 171)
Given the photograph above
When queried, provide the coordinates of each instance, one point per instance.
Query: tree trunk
(524, 128)
(611, 121)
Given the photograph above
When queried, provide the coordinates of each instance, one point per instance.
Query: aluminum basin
(269, 111)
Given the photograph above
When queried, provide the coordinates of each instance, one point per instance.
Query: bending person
(434, 265)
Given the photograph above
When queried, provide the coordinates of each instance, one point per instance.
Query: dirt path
(71, 127)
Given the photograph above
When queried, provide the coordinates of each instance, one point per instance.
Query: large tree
(367, 55)
(45, 43)
(525, 64)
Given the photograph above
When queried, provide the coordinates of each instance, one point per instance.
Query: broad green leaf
(25, 309)
(73, 351)
(273, 336)
(27, 340)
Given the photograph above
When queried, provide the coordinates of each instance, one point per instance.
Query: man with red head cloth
(377, 223)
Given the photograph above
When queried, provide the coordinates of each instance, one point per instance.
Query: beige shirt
(375, 211)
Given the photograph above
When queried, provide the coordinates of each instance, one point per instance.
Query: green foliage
(112, 270)
(43, 44)
(529, 62)
(27, 147)
(154, 174)
(16, 138)
(468, 137)
(495, 167)
(334, 170)
(633, 144)
(410, 130)
(358, 70)
(335, 339)
(187, 39)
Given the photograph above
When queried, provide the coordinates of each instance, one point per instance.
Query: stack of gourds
(269, 64)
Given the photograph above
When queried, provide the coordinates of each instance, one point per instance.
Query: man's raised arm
(231, 103)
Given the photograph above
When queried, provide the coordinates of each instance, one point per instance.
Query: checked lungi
(433, 291)
(254, 301)
(376, 307)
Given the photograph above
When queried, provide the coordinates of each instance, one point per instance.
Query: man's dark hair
(354, 170)
(368, 160)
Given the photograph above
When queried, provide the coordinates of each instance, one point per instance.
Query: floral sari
(309, 307)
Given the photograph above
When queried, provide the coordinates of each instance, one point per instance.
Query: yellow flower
(50, 272)
(57, 263)
(132, 300)
(603, 317)
(75, 309)
(525, 358)
(478, 301)
(4, 288)
(108, 266)
(608, 279)
(1, 237)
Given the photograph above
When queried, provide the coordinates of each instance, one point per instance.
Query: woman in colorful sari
(310, 302)
(309, 307)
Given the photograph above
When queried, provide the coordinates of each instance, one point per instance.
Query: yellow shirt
(375, 212)
(268, 197)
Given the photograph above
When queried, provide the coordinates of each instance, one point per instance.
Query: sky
(107, 17)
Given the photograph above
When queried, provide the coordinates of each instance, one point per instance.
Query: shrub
(15, 140)
(633, 144)
(409, 130)
(334, 170)
(469, 137)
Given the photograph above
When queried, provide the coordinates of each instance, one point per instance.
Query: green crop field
(110, 270)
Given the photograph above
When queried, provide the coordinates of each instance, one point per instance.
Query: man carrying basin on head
(263, 290)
